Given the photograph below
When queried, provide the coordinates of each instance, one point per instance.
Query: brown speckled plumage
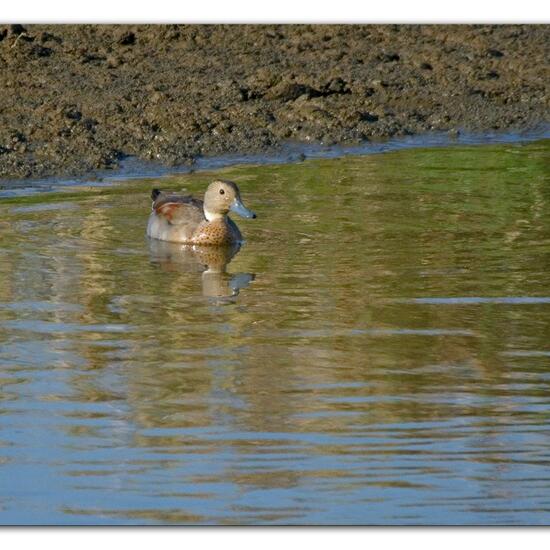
(217, 232)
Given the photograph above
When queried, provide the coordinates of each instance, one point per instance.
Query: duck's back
(160, 199)
(174, 217)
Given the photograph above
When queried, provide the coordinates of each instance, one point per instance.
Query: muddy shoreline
(80, 98)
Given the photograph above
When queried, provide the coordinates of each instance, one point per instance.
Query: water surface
(378, 352)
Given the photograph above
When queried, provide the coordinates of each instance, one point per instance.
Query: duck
(188, 220)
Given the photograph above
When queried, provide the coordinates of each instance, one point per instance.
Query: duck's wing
(178, 209)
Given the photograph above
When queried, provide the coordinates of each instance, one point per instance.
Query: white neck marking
(211, 216)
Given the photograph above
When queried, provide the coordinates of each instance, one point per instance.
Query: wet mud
(79, 98)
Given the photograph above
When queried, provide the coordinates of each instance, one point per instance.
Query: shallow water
(378, 352)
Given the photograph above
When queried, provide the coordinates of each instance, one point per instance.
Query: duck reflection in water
(210, 261)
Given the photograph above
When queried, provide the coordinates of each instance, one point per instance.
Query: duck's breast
(217, 232)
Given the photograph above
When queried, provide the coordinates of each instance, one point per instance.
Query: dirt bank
(79, 98)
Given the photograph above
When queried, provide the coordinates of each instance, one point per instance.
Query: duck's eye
(222, 192)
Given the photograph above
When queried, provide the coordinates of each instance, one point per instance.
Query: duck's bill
(239, 208)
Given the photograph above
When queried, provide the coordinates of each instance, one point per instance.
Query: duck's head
(221, 197)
